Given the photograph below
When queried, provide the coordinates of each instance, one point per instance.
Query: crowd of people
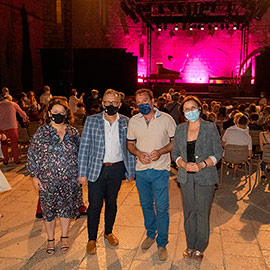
(128, 138)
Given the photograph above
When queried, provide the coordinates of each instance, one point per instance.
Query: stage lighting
(180, 8)
(160, 9)
(190, 27)
(158, 27)
(202, 27)
(171, 7)
(216, 27)
(234, 27)
(184, 26)
(176, 27)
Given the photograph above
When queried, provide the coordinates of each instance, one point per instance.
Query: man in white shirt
(103, 162)
(45, 97)
(238, 135)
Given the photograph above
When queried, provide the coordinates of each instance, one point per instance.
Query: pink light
(140, 80)
(202, 64)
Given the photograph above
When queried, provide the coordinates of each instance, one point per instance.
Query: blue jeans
(154, 198)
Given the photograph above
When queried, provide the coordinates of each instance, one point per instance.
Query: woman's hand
(37, 183)
(192, 167)
(3, 137)
(83, 180)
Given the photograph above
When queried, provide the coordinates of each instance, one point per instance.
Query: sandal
(197, 255)
(188, 253)
(50, 250)
(64, 248)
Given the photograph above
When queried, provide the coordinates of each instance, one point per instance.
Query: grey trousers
(197, 202)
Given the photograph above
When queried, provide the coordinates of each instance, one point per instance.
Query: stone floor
(240, 231)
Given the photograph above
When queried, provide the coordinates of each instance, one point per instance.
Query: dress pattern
(55, 164)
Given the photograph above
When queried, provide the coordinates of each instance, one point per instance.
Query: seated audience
(238, 135)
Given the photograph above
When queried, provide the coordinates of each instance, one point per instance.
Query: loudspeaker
(262, 72)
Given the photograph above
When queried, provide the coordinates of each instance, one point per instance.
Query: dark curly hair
(59, 101)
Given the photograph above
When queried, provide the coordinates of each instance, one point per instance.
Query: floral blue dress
(55, 164)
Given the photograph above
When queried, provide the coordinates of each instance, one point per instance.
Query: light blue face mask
(192, 116)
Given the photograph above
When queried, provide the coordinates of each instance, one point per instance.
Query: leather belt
(108, 164)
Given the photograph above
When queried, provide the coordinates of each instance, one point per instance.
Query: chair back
(23, 135)
(266, 153)
(236, 153)
(255, 136)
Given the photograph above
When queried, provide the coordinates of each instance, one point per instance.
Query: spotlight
(176, 27)
(216, 27)
(190, 27)
(158, 27)
(234, 27)
(202, 27)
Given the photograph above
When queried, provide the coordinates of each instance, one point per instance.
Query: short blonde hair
(112, 92)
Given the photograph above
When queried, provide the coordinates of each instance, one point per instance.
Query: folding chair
(236, 154)
(255, 140)
(265, 158)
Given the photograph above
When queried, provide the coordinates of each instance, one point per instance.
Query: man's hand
(144, 157)
(83, 180)
(130, 179)
(155, 155)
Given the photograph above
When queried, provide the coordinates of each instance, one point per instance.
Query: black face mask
(58, 118)
(111, 110)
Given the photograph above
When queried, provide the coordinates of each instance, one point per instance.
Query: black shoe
(39, 215)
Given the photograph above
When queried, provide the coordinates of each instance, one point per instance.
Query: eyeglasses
(56, 112)
(108, 103)
(192, 108)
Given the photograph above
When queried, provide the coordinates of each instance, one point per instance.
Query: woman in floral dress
(53, 165)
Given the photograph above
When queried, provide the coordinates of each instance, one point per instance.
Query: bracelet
(205, 163)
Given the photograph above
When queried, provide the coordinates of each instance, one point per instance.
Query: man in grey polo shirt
(150, 135)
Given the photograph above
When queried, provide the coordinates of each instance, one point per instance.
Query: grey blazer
(208, 144)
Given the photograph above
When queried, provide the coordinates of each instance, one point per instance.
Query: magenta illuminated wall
(197, 55)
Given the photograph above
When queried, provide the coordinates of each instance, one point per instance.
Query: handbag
(4, 185)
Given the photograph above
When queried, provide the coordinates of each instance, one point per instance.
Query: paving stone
(241, 249)
(106, 258)
(244, 262)
(10, 263)
(263, 238)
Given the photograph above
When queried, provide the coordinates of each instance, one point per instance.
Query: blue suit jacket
(92, 147)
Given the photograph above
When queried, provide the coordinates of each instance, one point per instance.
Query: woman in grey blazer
(197, 148)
